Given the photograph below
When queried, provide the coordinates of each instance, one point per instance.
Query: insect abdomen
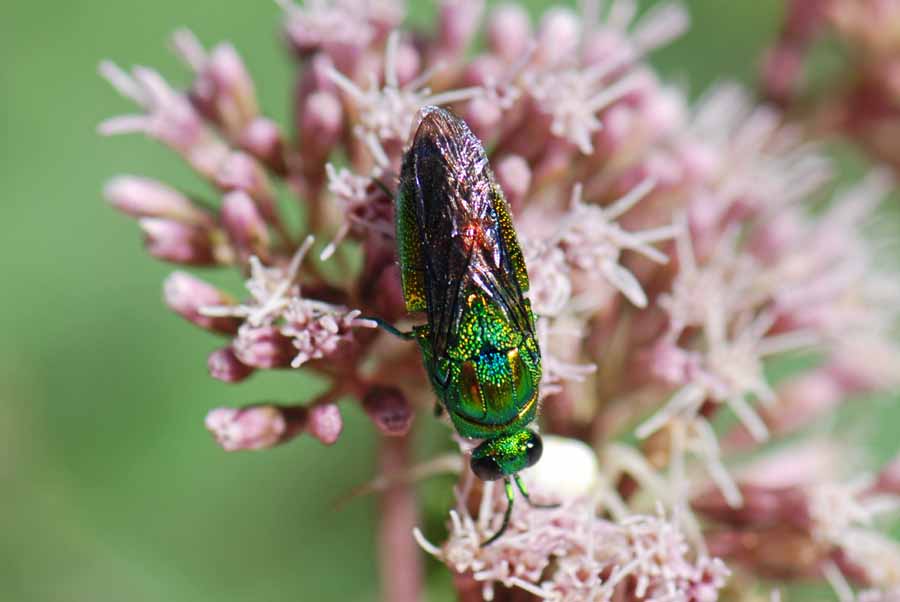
(495, 372)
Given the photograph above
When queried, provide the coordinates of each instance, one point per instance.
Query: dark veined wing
(454, 229)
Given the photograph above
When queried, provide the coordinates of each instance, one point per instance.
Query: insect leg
(391, 328)
(524, 491)
(509, 505)
(384, 187)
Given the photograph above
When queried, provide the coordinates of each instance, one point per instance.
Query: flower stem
(401, 563)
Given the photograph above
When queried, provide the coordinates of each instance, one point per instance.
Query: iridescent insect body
(462, 266)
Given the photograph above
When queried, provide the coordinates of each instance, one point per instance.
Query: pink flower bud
(483, 70)
(889, 478)
(320, 123)
(556, 159)
(186, 295)
(235, 96)
(803, 399)
(389, 410)
(343, 33)
(256, 427)
(381, 280)
(558, 35)
(768, 240)
(459, 20)
(796, 466)
(315, 78)
(671, 364)
(663, 111)
(782, 70)
(509, 31)
(706, 222)
(244, 225)
(239, 171)
(224, 365)
(178, 242)
(170, 117)
(619, 123)
(865, 365)
(263, 347)
(145, 197)
(699, 161)
(514, 176)
(407, 63)
(483, 116)
(325, 423)
(222, 91)
(762, 506)
(262, 139)
(606, 45)
(775, 552)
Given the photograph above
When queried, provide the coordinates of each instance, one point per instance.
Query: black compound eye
(486, 468)
(534, 448)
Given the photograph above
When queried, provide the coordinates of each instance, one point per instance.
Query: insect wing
(463, 237)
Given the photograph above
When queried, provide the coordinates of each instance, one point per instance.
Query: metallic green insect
(462, 266)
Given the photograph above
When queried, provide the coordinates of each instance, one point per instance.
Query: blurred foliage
(110, 489)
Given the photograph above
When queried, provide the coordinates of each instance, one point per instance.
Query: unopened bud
(262, 139)
(509, 31)
(325, 423)
(558, 34)
(320, 122)
(670, 364)
(389, 410)
(407, 63)
(803, 399)
(459, 20)
(224, 365)
(315, 77)
(244, 225)
(484, 70)
(186, 295)
(761, 507)
(514, 177)
(223, 90)
(782, 70)
(256, 427)
(263, 347)
(239, 171)
(145, 197)
(178, 242)
(234, 94)
(889, 478)
(483, 115)
(777, 551)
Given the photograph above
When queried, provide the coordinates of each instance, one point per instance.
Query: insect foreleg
(524, 491)
(392, 329)
(506, 515)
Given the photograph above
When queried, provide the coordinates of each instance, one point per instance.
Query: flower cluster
(571, 552)
(675, 250)
(862, 94)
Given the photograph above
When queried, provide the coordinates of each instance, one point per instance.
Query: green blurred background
(110, 489)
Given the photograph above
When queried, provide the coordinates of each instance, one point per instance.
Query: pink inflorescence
(675, 250)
